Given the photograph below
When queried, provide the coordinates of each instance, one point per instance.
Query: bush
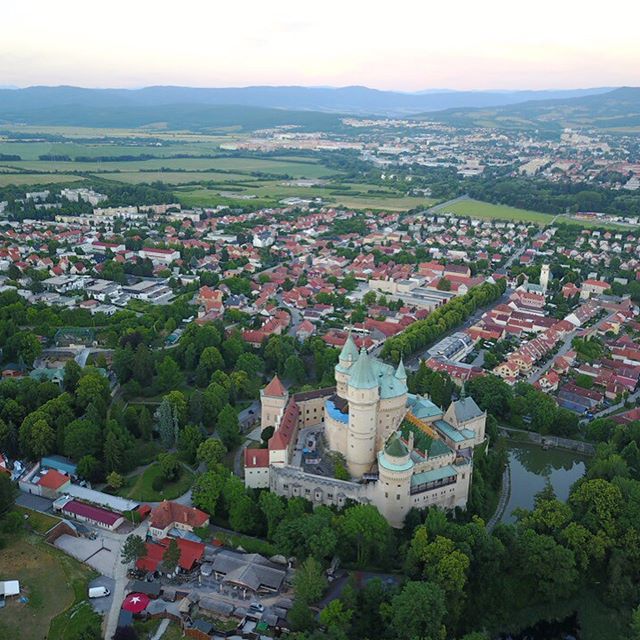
(157, 484)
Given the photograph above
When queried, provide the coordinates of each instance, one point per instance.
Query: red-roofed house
(94, 515)
(593, 287)
(190, 553)
(168, 515)
(52, 483)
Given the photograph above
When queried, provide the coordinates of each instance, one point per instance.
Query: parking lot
(102, 605)
(96, 553)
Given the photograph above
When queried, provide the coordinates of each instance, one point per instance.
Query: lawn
(52, 581)
(140, 487)
(39, 522)
(478, 209)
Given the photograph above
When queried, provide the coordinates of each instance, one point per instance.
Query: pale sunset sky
(404, 45)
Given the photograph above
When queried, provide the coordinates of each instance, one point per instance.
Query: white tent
(9, 588)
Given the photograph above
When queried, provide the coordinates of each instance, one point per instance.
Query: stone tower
(347, 358)
(362, 394)
(273, 400)
(393, 489)
(545, 276)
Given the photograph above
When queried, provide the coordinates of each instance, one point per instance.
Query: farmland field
(478, 209)
(172, 177)
(20, 179)
(391, 203)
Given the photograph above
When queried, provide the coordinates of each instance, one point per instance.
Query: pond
(532, 467)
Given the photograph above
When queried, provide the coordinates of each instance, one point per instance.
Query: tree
(89, 468)
(72, 374)
(170, 466)
(444, 285)
(169, 374)
(210, 360)
(189, 441)
(7, 494)
(115, 480)
(167, 423)
(417, 612)
(334, 615)
(273, 509)
(23, 346)
(93, 388)
(207, 490)
(81, 438)
(133, 549)
(142, 366)
(171, 556)
(211, 452)
(42, 439)
(309, 582)
(294, 369)
(179, 403)
(228, 427)
(366, 530)
(145, 423)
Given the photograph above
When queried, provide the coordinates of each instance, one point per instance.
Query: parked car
(99, 592)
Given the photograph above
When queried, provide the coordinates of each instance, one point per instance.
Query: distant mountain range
(618, 109)
(309, 107)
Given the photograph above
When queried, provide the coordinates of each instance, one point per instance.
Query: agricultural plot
(20, 179)
(478, 209)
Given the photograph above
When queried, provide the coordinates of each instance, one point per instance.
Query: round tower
(363, 396)
(347, 358)
(393, 489)
(545, 276)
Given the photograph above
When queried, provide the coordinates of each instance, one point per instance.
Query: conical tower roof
(400, 373)
(362, 373)
(349, 350)
(275, 388)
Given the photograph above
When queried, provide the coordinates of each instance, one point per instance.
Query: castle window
(398, 497)
(386, 495)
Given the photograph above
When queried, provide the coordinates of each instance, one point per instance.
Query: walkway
(161, 629)
(505, 494)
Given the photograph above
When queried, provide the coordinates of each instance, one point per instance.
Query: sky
(406, 45)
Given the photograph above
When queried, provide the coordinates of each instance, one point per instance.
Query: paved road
(443, 205)
(536, 374)
(120, 582)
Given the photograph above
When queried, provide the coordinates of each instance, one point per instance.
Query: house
(190, 553)
(169, 515)
(52, 483)
(88, 513)
(593, 287)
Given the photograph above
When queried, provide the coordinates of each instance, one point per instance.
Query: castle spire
(349, 351)
(362, 374)
(400, 373)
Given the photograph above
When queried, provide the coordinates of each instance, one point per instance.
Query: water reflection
(532, 467)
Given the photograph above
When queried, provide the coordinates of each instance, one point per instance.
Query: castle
(400, 449)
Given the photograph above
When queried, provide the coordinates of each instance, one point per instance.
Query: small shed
(9, 588)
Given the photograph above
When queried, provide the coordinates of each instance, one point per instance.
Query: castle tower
(347, 358)
(393, 489)
(362, 395)
(545, 277)
(273, 400)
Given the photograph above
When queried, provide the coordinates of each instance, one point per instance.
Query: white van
(99, 592)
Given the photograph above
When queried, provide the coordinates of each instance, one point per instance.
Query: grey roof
(249, 570)
(362, 374)
(216, 606)
(466, 409)
(349, 350)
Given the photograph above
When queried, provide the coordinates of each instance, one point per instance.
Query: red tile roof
(256, 458)
(53, 479)
(97, 514)
(275, 389)
(167, 513)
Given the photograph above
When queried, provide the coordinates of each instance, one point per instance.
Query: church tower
(363, 395)
(545, 277)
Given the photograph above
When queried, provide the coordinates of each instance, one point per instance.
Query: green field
(172, 177)
(478, 209)
(140, 487)
(397, 203)
(52, 582)
(20, 179)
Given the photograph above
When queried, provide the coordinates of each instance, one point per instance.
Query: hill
(352, 100)
(618, 109)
